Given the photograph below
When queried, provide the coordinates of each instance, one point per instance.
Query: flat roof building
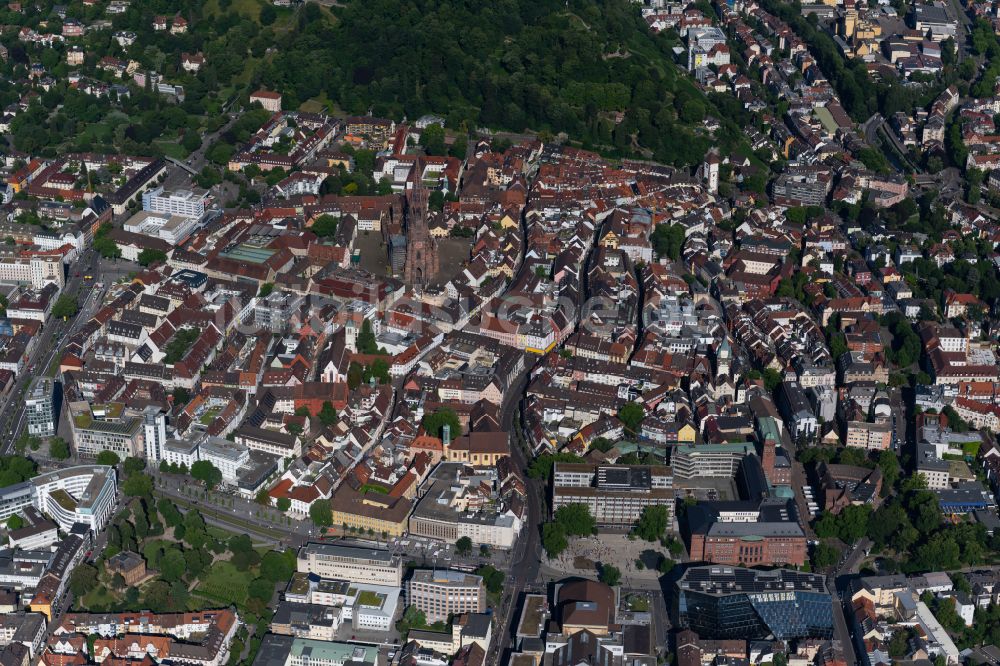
(614, 494)
(718, 602)
(460, 501)
(185, 203)
(439, 593)
(83, 494)
(359, 564)
(39, 407)
(709, 460)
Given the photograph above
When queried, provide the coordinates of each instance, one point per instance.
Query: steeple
(421, 250)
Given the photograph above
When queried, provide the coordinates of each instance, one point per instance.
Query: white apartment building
(358, 564)
(186, 203)
(228, 457)
(154, 425)
(372, 607)
(37, 271)
(173, 228)
(181, 451)
(83, 494)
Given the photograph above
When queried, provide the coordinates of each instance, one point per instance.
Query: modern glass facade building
(732, 602)
(39, 407)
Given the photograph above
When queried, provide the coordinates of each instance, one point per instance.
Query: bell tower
(422, 260)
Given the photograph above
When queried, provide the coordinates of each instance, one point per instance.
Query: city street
(49, 346)
(178, 178)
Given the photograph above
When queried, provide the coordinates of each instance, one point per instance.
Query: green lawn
(248, 8)
(172, 149)
(225, 583)
(209, 415)
(100, 596)
(218, 533)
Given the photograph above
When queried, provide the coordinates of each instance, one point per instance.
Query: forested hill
(514, 64)
(589, 68)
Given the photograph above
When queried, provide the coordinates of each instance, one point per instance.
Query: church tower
(421, 250)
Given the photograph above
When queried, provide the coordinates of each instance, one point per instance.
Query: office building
(185, 203)
(14, 498)
(273, 442)
(934, 20)
(171, 228)
(440, 593)
(461, 501)
(182, 451)
(105, 428)
(279, 650)
(154, 427)
(39, 407)
(375, 513)
(719, 602)
(83, 494)
(38, 270)
(358, 564)
(228, 457)
(965, 497)
(371, 607)
(614, 494)
(37, 533)
(709, 460)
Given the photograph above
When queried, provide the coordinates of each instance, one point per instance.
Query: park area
(176, 563)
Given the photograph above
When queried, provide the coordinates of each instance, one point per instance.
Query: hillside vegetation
(544, 65)
(588, 68)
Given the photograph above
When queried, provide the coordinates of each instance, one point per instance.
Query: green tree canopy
(576, 520)
(109, 458)
(324, 226)
(150, 256)
(138, 485)
(631, 415)
(320, 513)
(610, 575)
(65, 306)
(15, 469)
(172, 565)
(554, 539)
(206, 472)
(83, 579)
(652, 523)
(366, 342)
(58, 448)
(435, 422)
(276, 567)
(327, 414)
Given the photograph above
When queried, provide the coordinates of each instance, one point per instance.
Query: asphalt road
(902, 435)
(848, 565)
(54, 335)
(178, 177)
